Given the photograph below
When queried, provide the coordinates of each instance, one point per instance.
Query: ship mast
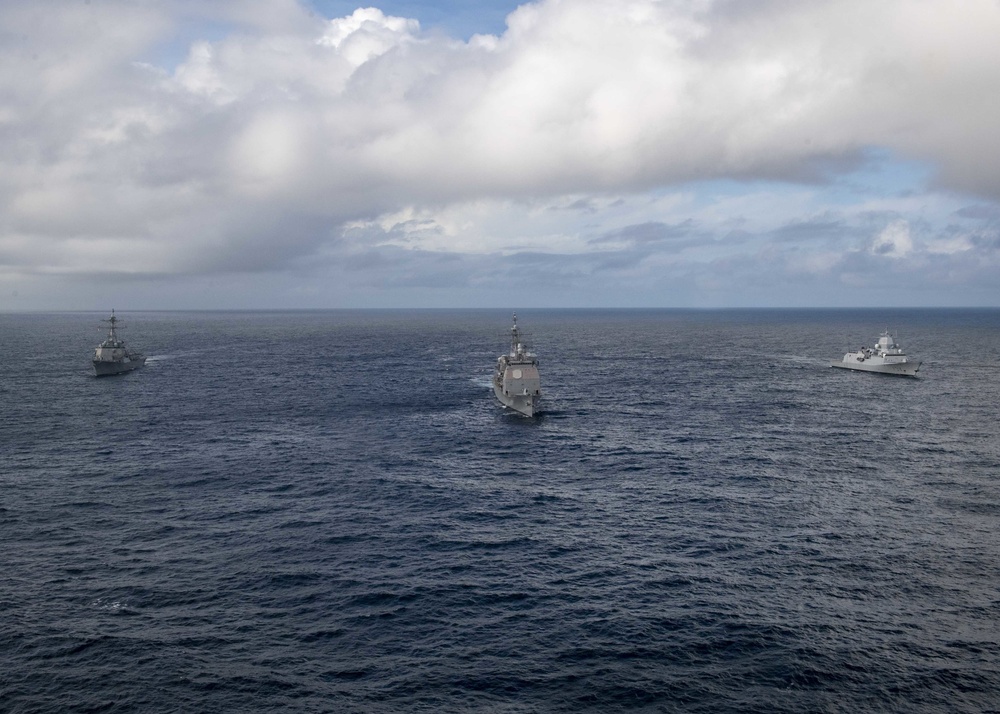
(112, 335)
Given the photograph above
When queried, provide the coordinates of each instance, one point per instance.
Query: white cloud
(364, 128)
(893, 241)
(367, 34)
(951, 245)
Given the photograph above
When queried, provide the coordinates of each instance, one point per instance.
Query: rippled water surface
(327, 511)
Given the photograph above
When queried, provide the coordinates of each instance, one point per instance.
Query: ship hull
(902, 369)
(526, 404)
(104, 368)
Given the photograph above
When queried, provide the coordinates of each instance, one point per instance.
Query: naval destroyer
(112, 356)
(887, 357)
(515, 381)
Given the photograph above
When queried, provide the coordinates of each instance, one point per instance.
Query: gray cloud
(679, 236)
(979, 211)
(262, 147)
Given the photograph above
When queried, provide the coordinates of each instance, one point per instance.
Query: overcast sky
(294, 153)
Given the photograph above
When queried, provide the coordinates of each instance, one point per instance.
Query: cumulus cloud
(278, 134)
(894, 240)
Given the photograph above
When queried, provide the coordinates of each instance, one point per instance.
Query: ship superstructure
(112, 356)
(886, 357)
(516, 382)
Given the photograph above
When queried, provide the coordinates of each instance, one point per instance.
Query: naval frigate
(112, 356)
(516, 382)
(886, 357)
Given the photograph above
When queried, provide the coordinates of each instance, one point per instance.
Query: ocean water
(328, 512)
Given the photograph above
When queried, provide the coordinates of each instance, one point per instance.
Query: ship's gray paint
(516, 381)
(886, 357)
(112, 356)
(106, 368)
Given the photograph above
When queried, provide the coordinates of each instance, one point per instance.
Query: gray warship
(886, 357)
(112, 356)
(516, 382)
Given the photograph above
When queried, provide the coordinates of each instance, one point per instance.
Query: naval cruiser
(886, 357)
(112, 357)
(515, 380)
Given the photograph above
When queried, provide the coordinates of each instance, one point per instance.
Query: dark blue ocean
(328, 512)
